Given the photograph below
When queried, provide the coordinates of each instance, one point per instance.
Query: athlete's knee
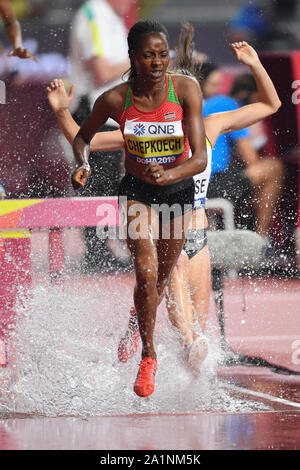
(182, 262)
(278, 168)
(275, 168)
(146, 274)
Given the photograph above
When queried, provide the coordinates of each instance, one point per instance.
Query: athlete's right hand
(22, 53)
(80, 176)
(58, 97)
(158, 174)
(244, 53)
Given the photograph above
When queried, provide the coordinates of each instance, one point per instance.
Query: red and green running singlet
(155, 136)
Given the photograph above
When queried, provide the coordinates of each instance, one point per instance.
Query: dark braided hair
(137, 31)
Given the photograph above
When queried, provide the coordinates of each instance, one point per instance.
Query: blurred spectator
(99, 55)
(267, 24)
(25, 9)
(240, 180)
(99, 58)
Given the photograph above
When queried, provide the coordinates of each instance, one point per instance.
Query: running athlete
(13, 31)
(186, 299)
(188, 291)
(160, 116)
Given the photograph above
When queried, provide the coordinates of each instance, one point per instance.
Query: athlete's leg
(199, 283)
(153, 261)
(169, 247)
(189, 292)
(188, 302)
(129, 342)
(178, 300)
(192, 282)
(142, 226)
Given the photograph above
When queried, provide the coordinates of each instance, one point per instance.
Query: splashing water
(63, 359)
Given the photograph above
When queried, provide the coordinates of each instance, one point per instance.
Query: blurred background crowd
(36, 160)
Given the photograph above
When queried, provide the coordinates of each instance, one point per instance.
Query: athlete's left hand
(59, 98)
(158, 174)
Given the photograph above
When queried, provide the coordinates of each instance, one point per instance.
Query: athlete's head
(211, 79)
(244, 89)
(148, 48)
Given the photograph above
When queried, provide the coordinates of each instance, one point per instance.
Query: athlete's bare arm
(13, 31)
(108, 105)
(60, 100)
(268, 100)
(215, 124)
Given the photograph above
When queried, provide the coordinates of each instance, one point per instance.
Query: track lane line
(265, 396)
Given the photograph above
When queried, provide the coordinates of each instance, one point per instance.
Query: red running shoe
(129, 342)
(145, 381)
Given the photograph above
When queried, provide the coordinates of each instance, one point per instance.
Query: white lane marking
(261, 395)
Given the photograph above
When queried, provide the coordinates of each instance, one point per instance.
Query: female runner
(189, 287)
(188, 291)
(160, 116)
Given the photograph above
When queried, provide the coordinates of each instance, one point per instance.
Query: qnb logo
(165, 129)
(296, 94)
(139, 129)
(2, 92)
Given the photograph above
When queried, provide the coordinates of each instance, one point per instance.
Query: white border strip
(261, 395)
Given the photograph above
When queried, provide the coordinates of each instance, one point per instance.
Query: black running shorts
(170, 200)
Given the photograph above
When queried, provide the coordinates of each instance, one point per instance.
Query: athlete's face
(213, 84)
(151, 58)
